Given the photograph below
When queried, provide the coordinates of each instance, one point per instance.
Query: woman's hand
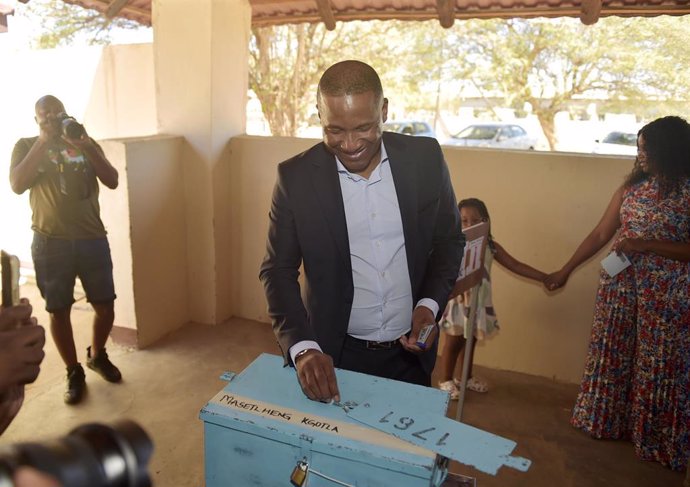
(556, 280)
(631, 245)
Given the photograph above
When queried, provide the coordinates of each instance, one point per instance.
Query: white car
(621, 143)
(497, 135)
(409, 127)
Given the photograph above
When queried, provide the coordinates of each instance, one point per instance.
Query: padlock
(299, 474)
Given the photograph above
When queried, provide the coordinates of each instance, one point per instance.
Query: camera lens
(70, 127)
(92, 455)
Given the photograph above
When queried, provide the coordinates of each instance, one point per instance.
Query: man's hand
(84, 142)
(21, 346)
(21, 353)
(421, 316)
(15, 316)
(11, 400)
(105, 172)
(316, 375)
(30, 477)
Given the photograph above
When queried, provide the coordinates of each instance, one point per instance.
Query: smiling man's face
(352, 127)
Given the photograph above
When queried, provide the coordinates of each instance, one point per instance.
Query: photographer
(61, 168)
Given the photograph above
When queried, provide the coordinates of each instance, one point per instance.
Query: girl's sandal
(449, 386)
(477, 384)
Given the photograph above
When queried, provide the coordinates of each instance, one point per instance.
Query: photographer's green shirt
(64, 195)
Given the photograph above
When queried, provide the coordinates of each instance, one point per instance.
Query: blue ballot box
(261, 429)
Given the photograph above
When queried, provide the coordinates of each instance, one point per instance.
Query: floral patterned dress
(636, 383)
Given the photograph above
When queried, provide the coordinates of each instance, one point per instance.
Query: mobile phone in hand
(424, 335)
(9, 264)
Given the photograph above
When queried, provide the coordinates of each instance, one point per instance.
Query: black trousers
(391, 363)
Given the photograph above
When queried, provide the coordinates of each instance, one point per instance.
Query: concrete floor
(166, 385)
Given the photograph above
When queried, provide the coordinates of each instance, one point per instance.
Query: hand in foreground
(631, 245)
(21, 353)
(556, 280)
(421, 316)
(11, 400)
(316, 375)
(30, 477)
(21, 346)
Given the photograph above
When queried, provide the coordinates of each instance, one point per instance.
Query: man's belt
(372, 345)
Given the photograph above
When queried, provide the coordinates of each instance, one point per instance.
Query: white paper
(614, 263)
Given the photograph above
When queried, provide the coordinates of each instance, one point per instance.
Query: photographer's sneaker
(101, 364)
(76, 383)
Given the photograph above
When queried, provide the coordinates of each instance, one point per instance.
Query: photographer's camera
(91, 455)
(69, 126)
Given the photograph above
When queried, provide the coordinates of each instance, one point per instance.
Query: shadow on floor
(166, 385)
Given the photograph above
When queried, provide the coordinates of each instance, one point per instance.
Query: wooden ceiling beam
(114, 8)
(326, 13)
(446, 12)
(270, 2)
(346, 16)
(442, 11)
(590, 10)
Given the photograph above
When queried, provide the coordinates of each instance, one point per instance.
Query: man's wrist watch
(302, 353)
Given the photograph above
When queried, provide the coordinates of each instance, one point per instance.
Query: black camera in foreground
(91, 455)
(70, 127)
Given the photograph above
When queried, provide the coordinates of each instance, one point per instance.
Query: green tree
(431, 70)
(636, 65)
(62, 24)
(549, 63)
(283, 67)
(286, 62)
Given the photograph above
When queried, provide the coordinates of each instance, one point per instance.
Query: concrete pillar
(201, 61)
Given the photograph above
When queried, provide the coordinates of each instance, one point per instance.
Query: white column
(201, 61)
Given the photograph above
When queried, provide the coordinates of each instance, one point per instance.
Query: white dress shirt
(382, 302)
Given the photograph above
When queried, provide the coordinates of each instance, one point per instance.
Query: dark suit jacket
(308, 226)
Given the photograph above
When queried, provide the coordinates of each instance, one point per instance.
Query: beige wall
(253, 164)
(542, 205)
(148, 235)
(122, 100)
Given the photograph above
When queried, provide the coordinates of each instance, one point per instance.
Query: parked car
(498, 135)
(622, 143)
(409, 127)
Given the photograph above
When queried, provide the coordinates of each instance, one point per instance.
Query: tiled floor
(166, 385)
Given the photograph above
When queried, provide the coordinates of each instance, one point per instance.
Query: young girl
(455, 318)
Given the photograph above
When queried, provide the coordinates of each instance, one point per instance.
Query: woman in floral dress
(636, 383)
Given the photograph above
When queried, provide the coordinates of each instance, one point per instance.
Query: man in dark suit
(372, 218)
